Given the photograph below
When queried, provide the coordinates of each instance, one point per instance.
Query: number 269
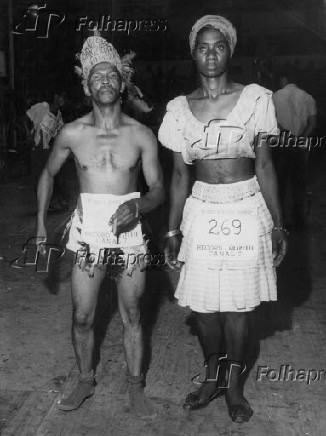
(225, 228)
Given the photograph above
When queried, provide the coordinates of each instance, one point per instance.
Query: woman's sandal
(194, 402)
(239, 413)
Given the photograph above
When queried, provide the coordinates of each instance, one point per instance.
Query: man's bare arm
(152, 172)
(130, 210)
(58, 156)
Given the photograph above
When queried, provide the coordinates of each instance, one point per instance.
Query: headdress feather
(96, 50)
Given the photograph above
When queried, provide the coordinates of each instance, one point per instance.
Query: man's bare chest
(106, 152)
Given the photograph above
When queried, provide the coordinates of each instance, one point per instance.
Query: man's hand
(124, 217)
(171, 251)
(279, 246)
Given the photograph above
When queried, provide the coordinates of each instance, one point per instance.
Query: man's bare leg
(84, 292)
(236, 334)
(130, 289)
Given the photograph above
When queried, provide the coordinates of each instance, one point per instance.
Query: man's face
(104, 83)
(212, 53)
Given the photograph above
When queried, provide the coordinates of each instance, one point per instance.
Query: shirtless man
(233, 235)
(109, 149)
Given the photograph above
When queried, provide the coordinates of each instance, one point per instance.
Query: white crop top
(230, 138)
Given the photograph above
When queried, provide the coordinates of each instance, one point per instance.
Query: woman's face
(212, 53)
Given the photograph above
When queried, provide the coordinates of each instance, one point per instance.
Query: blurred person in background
(296, 113)
(46, 122)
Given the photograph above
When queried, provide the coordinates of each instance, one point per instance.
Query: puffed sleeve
(265, 117)
(169, 133)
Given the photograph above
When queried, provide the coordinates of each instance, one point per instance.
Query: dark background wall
(277, 34)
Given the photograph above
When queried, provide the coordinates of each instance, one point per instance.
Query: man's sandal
(140, 406)
(83, 390)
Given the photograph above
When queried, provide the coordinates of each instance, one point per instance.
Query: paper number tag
(223, 232)
(97, 211)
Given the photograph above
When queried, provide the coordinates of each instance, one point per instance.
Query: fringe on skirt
(226, 285)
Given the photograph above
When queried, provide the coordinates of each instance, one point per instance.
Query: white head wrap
(96, 50)
(218, 23)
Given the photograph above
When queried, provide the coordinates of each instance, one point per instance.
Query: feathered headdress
(96, 50)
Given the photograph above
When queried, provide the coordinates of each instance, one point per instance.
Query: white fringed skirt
(226, 285)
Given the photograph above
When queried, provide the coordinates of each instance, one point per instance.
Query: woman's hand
(279, 245)
(171, 250)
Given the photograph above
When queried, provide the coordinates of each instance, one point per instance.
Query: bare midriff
(225, 171)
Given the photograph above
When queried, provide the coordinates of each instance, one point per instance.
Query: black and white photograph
(162, 218)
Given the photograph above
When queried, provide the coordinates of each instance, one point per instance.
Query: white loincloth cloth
(92, 239)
